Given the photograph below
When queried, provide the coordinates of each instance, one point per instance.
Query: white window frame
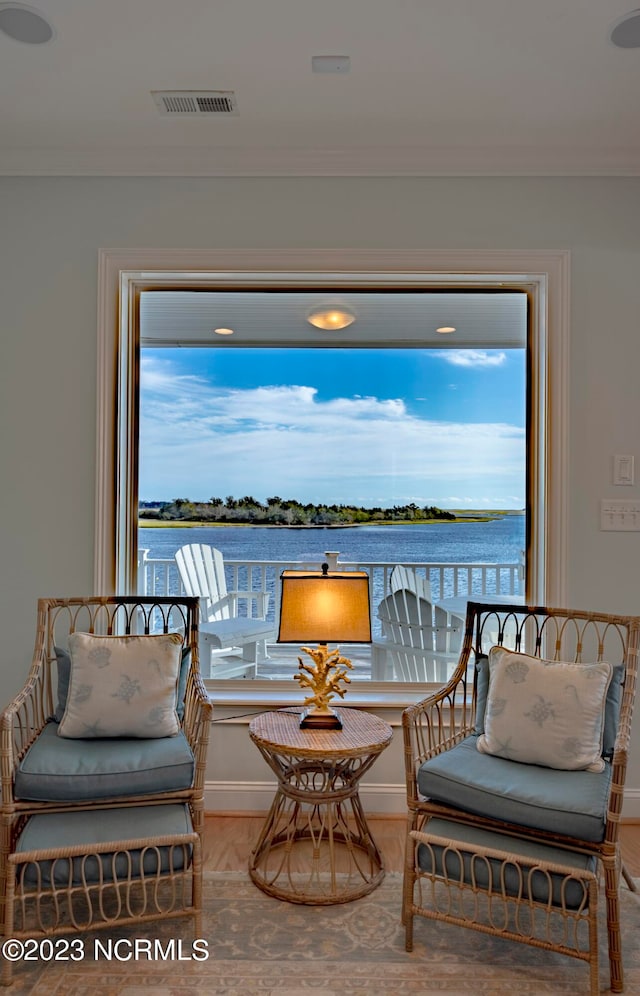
(124, 274)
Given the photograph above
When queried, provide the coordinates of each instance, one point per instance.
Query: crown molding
(382, 161)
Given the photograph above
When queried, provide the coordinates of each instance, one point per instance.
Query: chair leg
(627, 877)
(197, 888)
(380, 666)
(611, 881)
(250, 652)
(408, 882)
(254, 652)
(204, 653)
(6, 837)
(8, 918)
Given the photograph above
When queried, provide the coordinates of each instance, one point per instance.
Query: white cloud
(199, 440)
(473, 357)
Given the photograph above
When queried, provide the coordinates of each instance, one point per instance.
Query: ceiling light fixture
(224, 331)
(625, 32)
(331, 318)
(446, 328)
(24, 24)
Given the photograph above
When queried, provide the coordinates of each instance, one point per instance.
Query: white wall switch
(617, 514)
(623, 469)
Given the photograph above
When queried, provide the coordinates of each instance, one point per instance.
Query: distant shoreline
(471, 516)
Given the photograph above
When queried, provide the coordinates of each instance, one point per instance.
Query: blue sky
(364, 426)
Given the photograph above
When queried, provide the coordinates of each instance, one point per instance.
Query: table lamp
(321, 607)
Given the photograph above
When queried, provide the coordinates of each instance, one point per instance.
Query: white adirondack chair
(407, 578)
(223, 632)
(412, 648)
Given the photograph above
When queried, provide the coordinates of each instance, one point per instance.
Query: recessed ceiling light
(224, 331)
(446, 328)
(625, 32)
(24, 24)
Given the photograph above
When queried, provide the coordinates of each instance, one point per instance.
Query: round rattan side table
(315, 846)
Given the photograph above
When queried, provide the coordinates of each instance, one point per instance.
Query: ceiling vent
(188, 103)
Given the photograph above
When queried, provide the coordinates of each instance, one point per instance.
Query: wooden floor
(229, 839)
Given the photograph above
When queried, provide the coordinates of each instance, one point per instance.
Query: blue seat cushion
(58, 830)
(56, 769)
(505, 875)
(565, 802)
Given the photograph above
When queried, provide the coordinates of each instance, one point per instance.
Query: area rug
(259, 945)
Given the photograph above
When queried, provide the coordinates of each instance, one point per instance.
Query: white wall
(51, 230)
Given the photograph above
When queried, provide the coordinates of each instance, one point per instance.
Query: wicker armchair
(44, 773)
(452, 784)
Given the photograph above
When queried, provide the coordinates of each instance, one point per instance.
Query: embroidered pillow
(122, 686)
(545, 712)
(63, 661)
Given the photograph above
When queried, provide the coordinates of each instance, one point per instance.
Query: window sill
(385, 698)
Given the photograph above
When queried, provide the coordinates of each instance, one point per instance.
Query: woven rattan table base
(315, 846)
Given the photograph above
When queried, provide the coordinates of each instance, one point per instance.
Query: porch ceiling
(482, 319)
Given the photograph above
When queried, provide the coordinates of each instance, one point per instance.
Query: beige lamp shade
(332, 607)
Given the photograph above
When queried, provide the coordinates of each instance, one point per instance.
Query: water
(497, 541)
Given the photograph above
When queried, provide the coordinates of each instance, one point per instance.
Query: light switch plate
(620, 515)
(623, 468)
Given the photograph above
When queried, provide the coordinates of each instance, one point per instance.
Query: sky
(370, 427)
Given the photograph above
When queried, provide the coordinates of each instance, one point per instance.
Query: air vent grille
(182, 103)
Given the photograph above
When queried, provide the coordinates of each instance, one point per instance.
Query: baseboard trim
(377, 799)
(631, 805)
(252, 797)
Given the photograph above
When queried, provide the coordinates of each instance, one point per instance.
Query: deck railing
(158, 576)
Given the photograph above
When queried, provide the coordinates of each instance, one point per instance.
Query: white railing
(158, 576)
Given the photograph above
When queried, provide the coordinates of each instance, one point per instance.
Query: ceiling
(496, 320)
(435, 87)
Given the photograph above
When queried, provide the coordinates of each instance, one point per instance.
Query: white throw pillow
(545, 712)
(122, 686)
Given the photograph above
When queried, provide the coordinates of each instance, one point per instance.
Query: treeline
(278, 511)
